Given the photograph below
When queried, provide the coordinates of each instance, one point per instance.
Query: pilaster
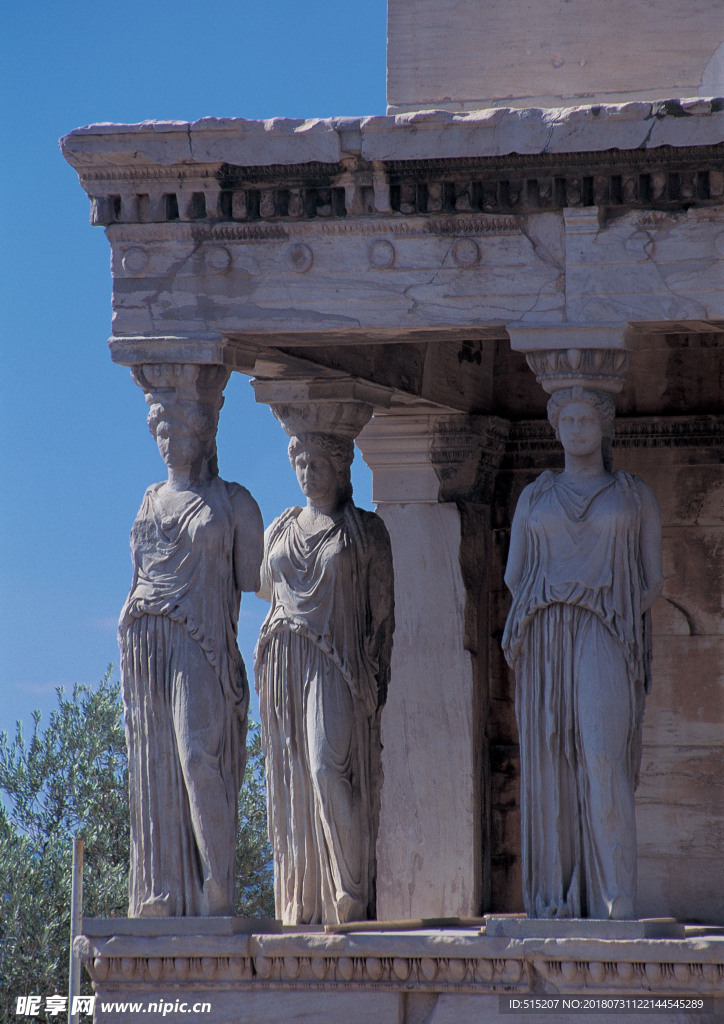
(432, 479)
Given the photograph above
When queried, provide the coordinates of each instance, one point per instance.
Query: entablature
(665, 155)
(412, 251)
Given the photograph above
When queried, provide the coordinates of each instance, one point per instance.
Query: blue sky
(76, 452)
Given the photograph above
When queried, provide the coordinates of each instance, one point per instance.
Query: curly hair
(198, 418)
(600, 401)
(338, 449)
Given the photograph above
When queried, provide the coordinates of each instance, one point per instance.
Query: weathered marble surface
(547, 268)
(679, 806)
(679, 809)
(552, 52)
(516, 926)
(584, 569)
(427, 868)
(322, 669)
(413, 136)
(453, 976)
(196, 545)
(421, 465)
(275, 267)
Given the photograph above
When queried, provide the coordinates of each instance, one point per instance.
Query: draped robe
(185, 698)
(322, 666)
(580, 647)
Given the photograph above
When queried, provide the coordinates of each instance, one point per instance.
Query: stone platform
(518, 926)
(227, 970)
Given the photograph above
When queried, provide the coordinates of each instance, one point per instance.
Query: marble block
(516, 926)
(450, 56)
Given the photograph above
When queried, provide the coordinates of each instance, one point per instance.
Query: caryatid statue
(322, 669)
(196, 544)
(584, 570)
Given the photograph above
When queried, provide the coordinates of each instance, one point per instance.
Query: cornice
(661, 156)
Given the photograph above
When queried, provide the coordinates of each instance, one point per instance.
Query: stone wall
(553, 52)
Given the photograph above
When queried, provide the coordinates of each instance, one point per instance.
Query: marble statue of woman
(196, 544)
(322, 667)
(584, 569)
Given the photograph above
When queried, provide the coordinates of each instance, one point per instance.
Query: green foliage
(254, 870)
(72, 779)
(69, 779)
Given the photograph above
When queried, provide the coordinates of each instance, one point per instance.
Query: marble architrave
(560, 269)
(504, 226)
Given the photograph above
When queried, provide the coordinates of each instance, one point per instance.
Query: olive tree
(71, 778)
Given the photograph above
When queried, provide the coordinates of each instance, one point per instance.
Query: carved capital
(431, 457)
(574, 355)
(601, 369)
(188, 381)
(177, 385)
(339, 406)
(466, 453)
(396, 447)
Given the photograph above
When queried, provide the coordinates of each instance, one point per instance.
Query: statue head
(185, 400)
(600, 403)
(185, 432)
(309, 451)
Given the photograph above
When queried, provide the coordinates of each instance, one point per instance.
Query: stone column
(432, 481)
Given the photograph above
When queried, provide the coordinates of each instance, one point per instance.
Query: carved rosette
(601, 369)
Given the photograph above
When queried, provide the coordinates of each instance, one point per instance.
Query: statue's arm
(653, 571)
(264, 590)
(248, 540)
(518, 543)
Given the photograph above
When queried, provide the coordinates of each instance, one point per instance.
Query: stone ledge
(518, 926)
(435, 960)
(489, 132)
